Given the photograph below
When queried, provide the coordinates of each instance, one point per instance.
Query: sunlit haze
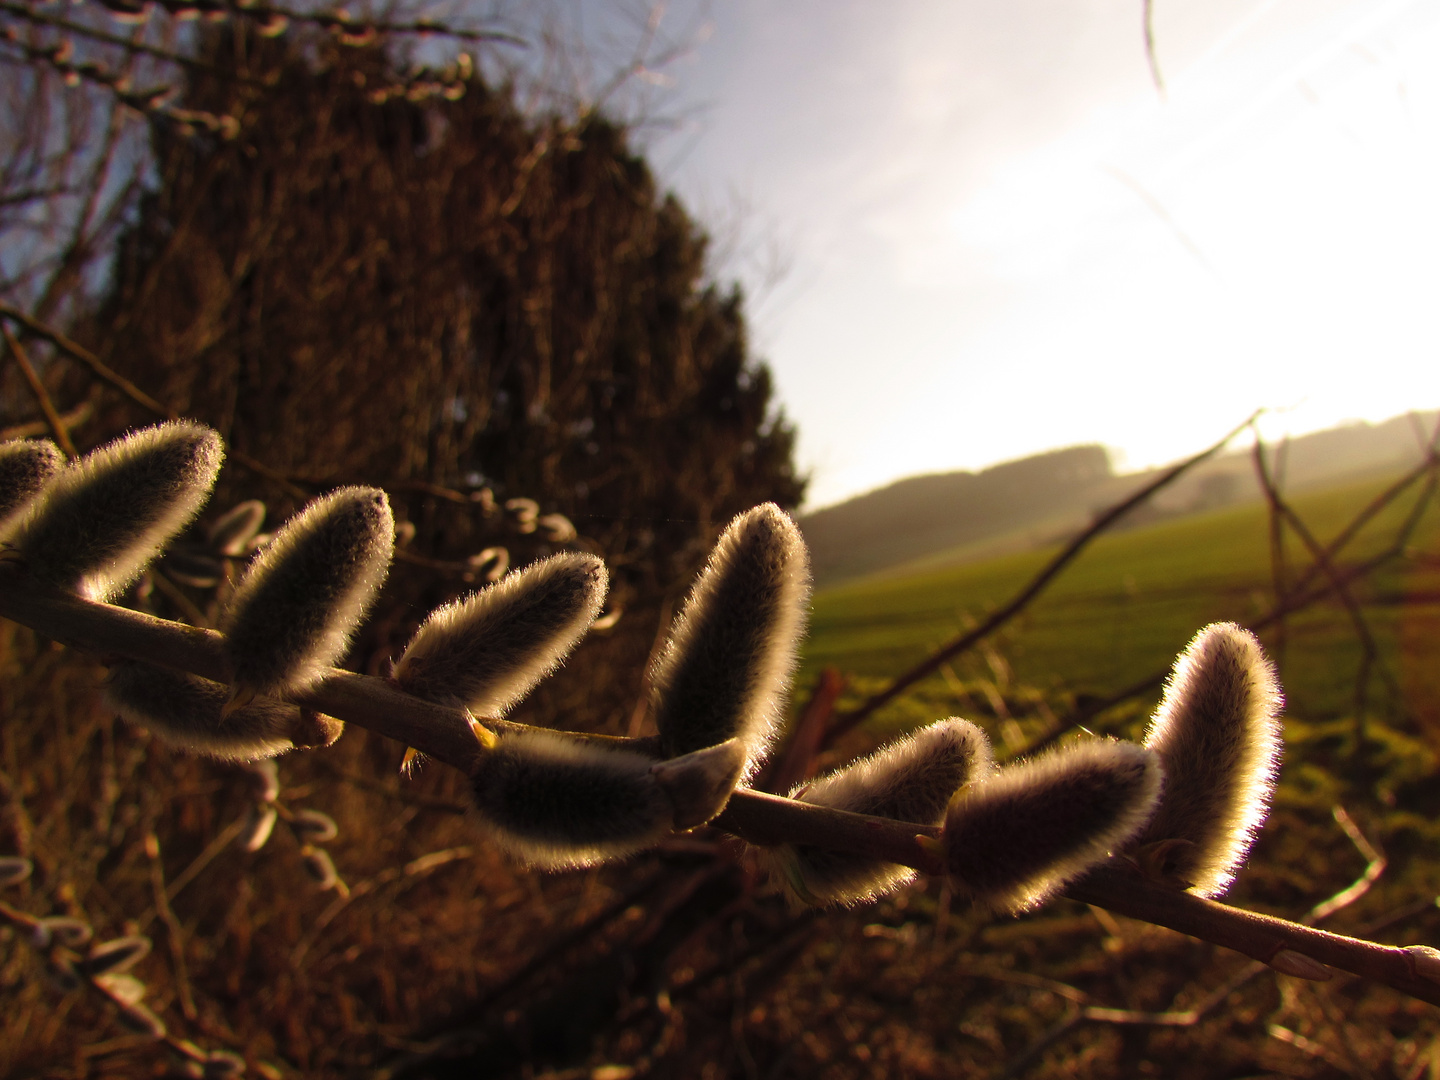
(994, 236)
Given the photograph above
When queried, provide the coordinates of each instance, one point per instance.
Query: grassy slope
(1126, 607)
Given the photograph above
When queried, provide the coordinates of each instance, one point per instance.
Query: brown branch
(762, 819)
(78, 352)
(172, 926)
(72, 419)
(441, 732)
(1370, 650)
(847, 720)
(42, 397)
(1299, 597)
(1259, 937)
(30, 14)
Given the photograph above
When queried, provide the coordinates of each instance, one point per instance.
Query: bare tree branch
(846, 720)
(763, 819)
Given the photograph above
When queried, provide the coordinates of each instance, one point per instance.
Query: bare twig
(1375, 863)
(72, 419)
(1148, 22)
(1370, 651)
(847, 720)
(1300, 596)
(78, 352)
(172, 926)
(31, 13)
(42, 397)
(414, 868)
(1309, 1046)
(1278, 571)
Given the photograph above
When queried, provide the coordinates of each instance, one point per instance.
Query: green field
(1130, 602)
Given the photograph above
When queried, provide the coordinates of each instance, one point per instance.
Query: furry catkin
(1015, 839)
(97, 522)
(184, 710)
(305, 593)
(1218, 737)
(727, 666)
(913, 779)
(25, 466)
(488, 651)
(558, 801)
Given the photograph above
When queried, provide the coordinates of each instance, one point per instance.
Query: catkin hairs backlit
(1218, 737)
(303, 597)
(1012, 841)
(98, 521)
(726, 669)
(25, 466)
(557, 801)
(488, 650)
(912, 779)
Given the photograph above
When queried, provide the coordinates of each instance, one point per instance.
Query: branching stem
(443, 733)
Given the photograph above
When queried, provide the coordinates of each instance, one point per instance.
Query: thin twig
(1370, 651)
(1308, 1046)
(42, 397)
(1300, 596)
(1375, 864)
(72, 419)
(78, 352)
(1148, 21)
(172, 592)
(847, 720)
(1278, 574)
(416, 867)
(30, 14)
(199, 863)
(1425, 468)
(172, 926)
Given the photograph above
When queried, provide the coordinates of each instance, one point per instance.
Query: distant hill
(957, 516)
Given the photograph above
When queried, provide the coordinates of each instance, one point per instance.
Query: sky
(972, 231)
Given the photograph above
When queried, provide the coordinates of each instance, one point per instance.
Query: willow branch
(363, 700)
(762, 819)
(1259, 937)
